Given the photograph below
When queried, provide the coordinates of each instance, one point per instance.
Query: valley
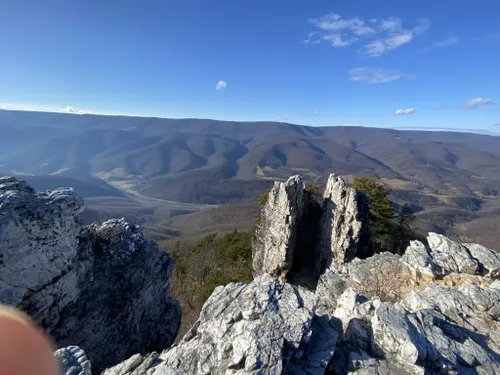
(188, 177)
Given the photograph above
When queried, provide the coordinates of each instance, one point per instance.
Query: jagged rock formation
(261, 328)
(444, 257)
(344, 224)
(271, 327)
(298, 240)
(275, 238)
(104, 287)
(434, 310)
(38, 248)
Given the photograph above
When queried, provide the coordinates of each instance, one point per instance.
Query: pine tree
(381, 210)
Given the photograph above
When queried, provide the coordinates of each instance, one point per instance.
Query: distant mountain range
(213, 162)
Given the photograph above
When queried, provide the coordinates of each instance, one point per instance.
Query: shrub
(214, 260)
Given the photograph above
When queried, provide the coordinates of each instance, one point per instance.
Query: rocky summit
(318, 304)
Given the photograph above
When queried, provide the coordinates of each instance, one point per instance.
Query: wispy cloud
(221, 85)
(394, 35)
(450, 41)
(310, 38)
(476, 103)
(317, 113)
(405, 112)
(497, 124)
(375, 75)
(378, 35)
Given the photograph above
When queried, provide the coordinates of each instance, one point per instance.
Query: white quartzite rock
(265, 327)
(444, 256)
(274, 243)
(489, 259)
(344, 224)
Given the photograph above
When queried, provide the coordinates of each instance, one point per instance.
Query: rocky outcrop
(271, 327)
(125, 296)
(444, 256)
(275, 244)
(344, 231)
(39, 248)
(434, 310)
(104, 287)
(259, 328)
(298, 239)
(488, 259)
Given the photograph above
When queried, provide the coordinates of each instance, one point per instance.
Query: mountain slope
(159, 152)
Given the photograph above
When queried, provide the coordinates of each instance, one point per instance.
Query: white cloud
(450, 41)
(335, 23)
(393, 36)
(74, 110)
(221, 85)
(310, 38)
(380, 35)
(338, 40)
(375, 75)
(317, 113)
(405, 112)
(476, 102)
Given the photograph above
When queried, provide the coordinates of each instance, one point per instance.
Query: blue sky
(434, 63)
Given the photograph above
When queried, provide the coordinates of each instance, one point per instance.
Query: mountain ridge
(224, 162)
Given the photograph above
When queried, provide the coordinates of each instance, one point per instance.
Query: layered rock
(104, 287)
(274, 244)
(344, 231)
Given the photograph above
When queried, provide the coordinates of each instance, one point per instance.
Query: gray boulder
(451, 256)
(489, 259)
(125, 296)
(444, 256)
